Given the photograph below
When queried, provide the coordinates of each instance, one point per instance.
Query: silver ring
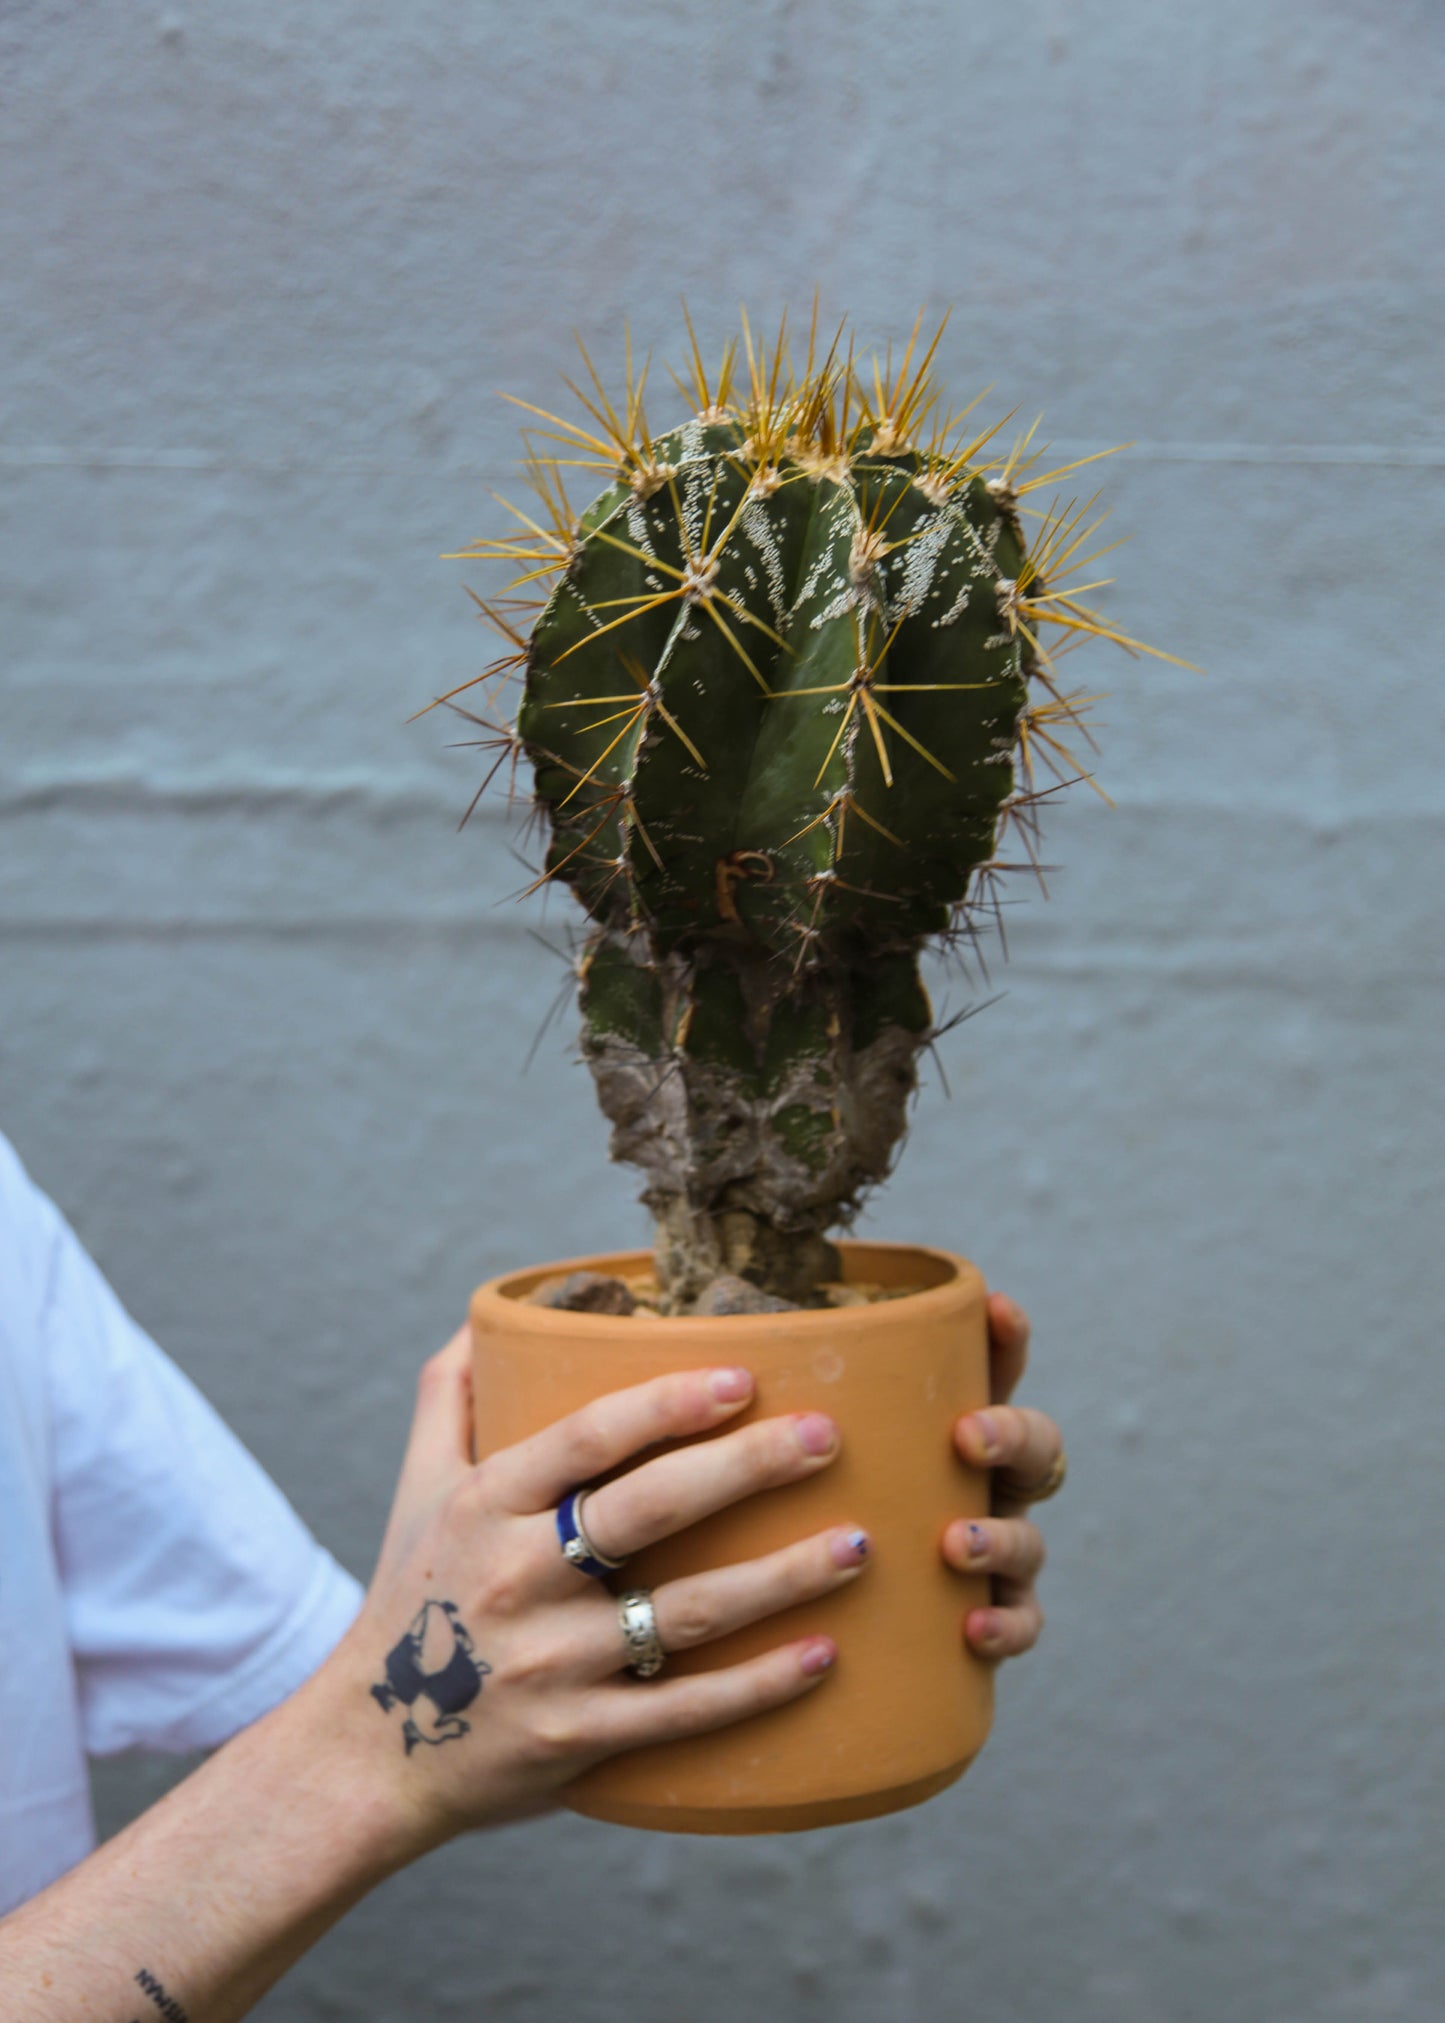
(645, 1655)
(582, 1546)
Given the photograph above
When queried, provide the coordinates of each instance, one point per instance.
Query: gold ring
(1051, 1484)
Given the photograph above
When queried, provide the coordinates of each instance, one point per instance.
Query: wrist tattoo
(435, 1661)
(169, 2007)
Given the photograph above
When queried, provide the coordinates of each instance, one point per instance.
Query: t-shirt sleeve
(195, 1597)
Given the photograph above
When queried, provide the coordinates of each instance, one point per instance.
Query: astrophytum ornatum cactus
(785, 692)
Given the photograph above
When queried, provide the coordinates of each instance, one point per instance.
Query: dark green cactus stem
(773, 704)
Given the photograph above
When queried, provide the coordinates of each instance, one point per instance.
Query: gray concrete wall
(263, 1017)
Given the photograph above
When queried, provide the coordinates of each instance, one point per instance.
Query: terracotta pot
(907, 1706)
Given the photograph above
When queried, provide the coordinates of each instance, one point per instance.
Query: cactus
(787, 695)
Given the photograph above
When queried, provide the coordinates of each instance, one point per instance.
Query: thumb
(1008, 1346)
(438, 1452)
(439, 1449)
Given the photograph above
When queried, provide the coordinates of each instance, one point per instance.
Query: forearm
(200, 1905)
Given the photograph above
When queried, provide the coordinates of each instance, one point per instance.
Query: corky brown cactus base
(693, 1252)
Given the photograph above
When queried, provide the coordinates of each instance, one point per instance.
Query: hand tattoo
(451, 1684)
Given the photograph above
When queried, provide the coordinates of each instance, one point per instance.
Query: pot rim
(507, 1293)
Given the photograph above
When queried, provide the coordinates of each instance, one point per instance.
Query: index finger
(536, 1473)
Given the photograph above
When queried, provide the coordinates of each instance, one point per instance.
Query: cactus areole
(786, 688)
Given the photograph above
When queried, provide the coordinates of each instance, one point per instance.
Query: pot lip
(497, 1297)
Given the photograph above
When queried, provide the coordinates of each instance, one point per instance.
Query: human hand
(483, 1673)
(1025, 1449)
(472, 1584)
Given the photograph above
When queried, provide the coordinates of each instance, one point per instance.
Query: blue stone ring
(577, 1547)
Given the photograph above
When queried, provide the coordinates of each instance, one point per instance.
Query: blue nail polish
(860, 1543)
(977, 1542)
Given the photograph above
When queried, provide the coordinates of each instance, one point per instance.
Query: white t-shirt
(156, 1588)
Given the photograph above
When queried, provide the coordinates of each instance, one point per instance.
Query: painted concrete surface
(264, 1015)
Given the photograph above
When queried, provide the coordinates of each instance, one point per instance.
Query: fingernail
(976, 1544)
(816, 1433)
(728, 1386)
(989, 1436)
(984, 1629)
(817, 1657)
(849, 1548)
